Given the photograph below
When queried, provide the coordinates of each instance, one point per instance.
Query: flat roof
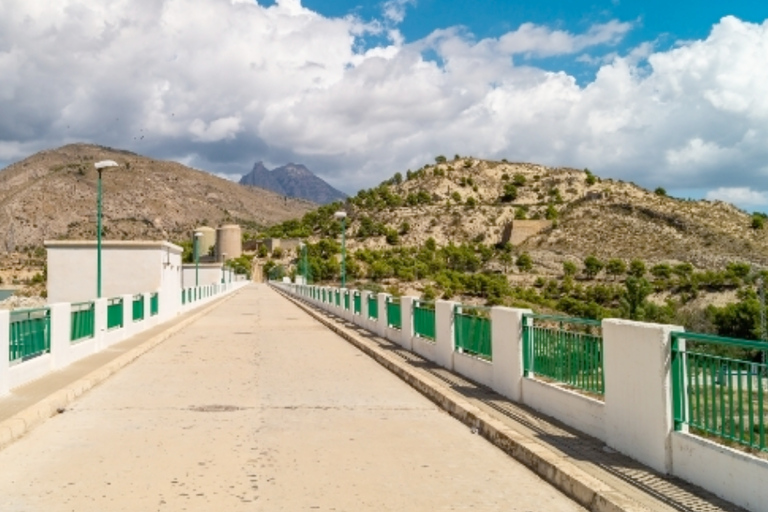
(113, 244)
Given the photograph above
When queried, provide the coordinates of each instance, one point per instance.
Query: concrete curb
(22, 422)
(574, 482)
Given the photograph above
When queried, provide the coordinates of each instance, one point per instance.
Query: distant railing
(373, 307)
(338, 297)
(154, 304)
(346, 300)
(138, 307)
(115, 313)
(472, 331)
(30, 334)
(357, 303)
(719, 387)
(83, 321)
(424, 319)
(566, 350)
(394, 313)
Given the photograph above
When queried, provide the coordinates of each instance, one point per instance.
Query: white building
(128, 267)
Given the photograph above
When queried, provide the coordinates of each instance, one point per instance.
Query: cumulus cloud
(229, 82)
(739, 195)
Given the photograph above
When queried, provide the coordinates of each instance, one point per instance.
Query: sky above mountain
(671, 94)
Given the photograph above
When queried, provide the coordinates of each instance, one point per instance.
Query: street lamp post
(304, 270)
(196, 248)
(223, 267)
(342, 216)
(100, 166)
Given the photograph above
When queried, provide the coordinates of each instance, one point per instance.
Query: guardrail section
(472, 331)
(30, 334)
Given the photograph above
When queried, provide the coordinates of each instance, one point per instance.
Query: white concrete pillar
(406, 328)
(5, 349)
(638, 394)
(507, 350)
(127, 329)
(381, 323)
(100, 323)
(363, 320)
(149, 320)
(444, 320)
(61, 326)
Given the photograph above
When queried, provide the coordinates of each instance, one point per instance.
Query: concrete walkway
(257, 406)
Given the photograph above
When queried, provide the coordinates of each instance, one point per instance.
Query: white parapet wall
(633, 416)
(57, 320)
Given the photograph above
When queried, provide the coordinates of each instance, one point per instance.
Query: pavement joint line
(21, 423)
(556, 469)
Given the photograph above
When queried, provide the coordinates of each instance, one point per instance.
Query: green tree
(635, 295)
(569, 268)
(615, 267)
(590, 179)
(592, 266)
(519, 180)
(510, 193)
(440, 159)
(661, 271)
(524, 262)
(520, 214)
(636, 268)
(551, 213)
(660, 191)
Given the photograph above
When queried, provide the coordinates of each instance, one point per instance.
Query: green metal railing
(719, 388)
(424, 319)
(373, 307)
(346, 300)
(30, 334)
(83, 321)
(394, 313)
(564, 349)
(338, 297)
(183, 297)
(138, 307)
(114, 313)
(154, 304)
(472, 331)
(357, 303)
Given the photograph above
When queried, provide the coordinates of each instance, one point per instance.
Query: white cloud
(739, 196)
(394, 10)
(228, 83)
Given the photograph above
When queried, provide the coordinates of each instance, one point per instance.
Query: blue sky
(671, 94)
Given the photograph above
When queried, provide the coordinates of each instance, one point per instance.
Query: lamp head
(340, 214)
(104, 164)
(198, 234)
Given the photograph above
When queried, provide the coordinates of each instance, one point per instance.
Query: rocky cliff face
(292, 180)
(52, 195)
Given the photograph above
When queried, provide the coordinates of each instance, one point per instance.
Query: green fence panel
(373, 307)
(394, 314)
(154, 304)
(566, 350)
(138, 308)
(357, 303)
(83, 321)
(346, 301)
(719, 388)
(472, 331)
(424, 320)
(338, 297)
(183, 297)
(114, 313)
(30, 334)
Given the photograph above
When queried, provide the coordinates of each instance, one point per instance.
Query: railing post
(406, 321)
(5, 347)
(364, 321)
(444, 327)
(638, 391)
(507, 350)
(381, 323)
(61, 327)
(127, 329)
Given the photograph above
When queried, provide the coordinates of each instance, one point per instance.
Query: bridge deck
(257, 406)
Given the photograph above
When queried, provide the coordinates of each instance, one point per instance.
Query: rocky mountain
(292, 180)
(554, 214)
(52, 195)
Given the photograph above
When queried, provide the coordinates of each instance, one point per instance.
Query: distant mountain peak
(292, 180)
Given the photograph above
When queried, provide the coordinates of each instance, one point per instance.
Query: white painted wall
(127, 268)
(64, 352)
(579, 411)
(209, 273)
